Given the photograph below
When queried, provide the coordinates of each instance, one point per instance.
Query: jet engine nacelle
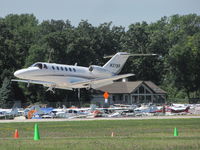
(98, 71)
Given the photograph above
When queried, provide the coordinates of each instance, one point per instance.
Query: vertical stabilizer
(116, 63)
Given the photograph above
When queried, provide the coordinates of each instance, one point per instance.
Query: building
(131, 93)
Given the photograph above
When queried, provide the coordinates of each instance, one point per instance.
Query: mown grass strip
(129, 134)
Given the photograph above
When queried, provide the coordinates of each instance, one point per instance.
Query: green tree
(24, 41)
(184, 64)
(6, 94)
(24, 30)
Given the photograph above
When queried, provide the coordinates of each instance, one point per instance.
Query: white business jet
(70, 77)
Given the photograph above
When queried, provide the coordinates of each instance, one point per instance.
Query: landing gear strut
(52, 89)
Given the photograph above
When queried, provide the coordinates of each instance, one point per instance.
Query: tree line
(176, 40)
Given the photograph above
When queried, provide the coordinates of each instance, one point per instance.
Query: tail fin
(116, 63)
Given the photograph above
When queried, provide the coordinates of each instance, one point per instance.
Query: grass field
(96, 135)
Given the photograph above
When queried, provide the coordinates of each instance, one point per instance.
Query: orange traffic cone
(112, 134)
(16, 135)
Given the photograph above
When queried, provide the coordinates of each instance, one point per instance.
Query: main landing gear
(52, 89)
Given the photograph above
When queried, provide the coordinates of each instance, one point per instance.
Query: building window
(141, 90)
(120, 97)
(135, 99)
(136, 92)
(147, 91)
(141, 99)
(113, 98)
(126, 98)
(148, 98)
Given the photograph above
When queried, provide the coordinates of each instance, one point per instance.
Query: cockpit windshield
(39, 65)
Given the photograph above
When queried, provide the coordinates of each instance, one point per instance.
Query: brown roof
(129, 87)
(155, 88)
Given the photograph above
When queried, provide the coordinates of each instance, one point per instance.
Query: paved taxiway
(86, 119)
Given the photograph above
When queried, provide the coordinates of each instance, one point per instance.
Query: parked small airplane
(70, 77)
(7, 113)
(178, 108)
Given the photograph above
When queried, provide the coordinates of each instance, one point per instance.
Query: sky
(120, 12)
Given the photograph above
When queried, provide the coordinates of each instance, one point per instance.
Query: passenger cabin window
(39, 65)
(53, 67)
(57, 68)
(70, 69)
(66, 68)
(45, 66)
(61, 68)
(74, 69)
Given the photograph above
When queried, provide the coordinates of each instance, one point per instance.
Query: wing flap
(101, 81)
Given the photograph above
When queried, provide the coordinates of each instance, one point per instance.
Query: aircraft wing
(96, 83)
(45, 83)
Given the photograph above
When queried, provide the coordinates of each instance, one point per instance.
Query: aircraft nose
(25, 73)
(18, 73)
(21, 73)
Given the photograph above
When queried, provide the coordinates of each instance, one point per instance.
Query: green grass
(96, 135)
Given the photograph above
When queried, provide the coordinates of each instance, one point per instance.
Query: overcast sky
(120, 12)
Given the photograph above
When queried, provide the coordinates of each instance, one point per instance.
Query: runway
(100, 118)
